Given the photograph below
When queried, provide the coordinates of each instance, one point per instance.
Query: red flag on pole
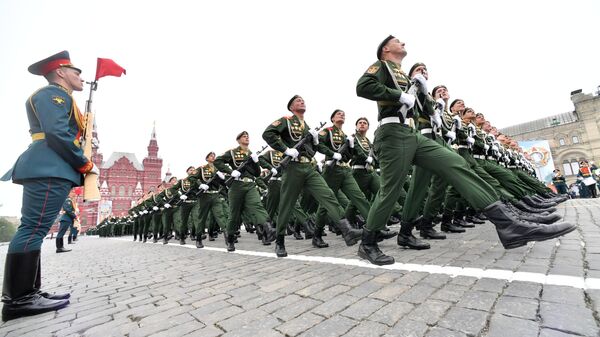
(108, 67)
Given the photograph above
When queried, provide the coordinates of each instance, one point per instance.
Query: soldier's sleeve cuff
(86, 168)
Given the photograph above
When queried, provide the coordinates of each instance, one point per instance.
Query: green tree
(7, 230)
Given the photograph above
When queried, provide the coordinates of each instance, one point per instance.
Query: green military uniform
(209, 202)
(285, 133)
(183, 206)
(243, 195)
(338, 174)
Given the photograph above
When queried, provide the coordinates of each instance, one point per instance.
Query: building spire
(153, 130)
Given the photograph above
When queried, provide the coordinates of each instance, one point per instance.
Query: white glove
(291, 152)
(517, 162)
(351, 142)
(486, 147)
(183, 197)
(441, 104)
(336, 156)
(167, 205)
(421, 83)
(274, 171)
(451, 135)
(315, 136)
(470, 140)
(254, 157)
(203, 187)
(94, 170)
(408, 100)
(155, 208)
(135, 215)
(436, 120)
(236, 174)
(220, 175)
(369, 160)
(145, 211)
(320, 166)
(495, 148)
(458, 122)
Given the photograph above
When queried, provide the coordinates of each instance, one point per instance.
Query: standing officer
(398, 147)
(282, 135)
(66, 222)
(48, 170)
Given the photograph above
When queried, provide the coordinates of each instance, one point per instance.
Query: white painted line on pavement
(499, 274)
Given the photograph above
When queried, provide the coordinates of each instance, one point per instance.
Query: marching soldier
(66, 221)
(282, 135)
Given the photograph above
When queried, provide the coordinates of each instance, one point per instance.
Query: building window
(561, 142)
(121, 191)
(113, 191)
(130, 191)
(567, 169)
(575, 167)
(575, 139)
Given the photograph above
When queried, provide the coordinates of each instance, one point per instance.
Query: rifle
(91, 192)
(412, 90)
(286, 160)
(230, 180)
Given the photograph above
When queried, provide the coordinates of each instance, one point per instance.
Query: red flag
(108, 67)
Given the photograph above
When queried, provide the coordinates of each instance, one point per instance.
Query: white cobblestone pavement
(467, 285)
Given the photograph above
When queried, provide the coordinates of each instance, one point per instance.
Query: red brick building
(123, 181)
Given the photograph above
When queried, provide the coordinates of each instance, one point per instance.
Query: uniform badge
(276, 123)
(58, 100)
(372, 69)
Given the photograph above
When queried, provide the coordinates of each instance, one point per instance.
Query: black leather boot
(534, 217)
(297, 234)
(69, 239)
(369, 250)
(514, 232)
(351, 235)
(280, 246)
(60, 246)
(269, 233)
(470, 217)
(526, 208)
(308, 231)
(385, 234)
(317, 239)
(447, 225)
(38, 285)
(428, 232)
(199, 243)
(229, 240)
(459, 220)
(289, 229)
(406, 239)
(134, 237)
(546, 206)
(19, 294)
(182, 240)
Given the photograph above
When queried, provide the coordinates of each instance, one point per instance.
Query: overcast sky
(204, 71)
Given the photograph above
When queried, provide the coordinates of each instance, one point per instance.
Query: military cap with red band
(47, 65)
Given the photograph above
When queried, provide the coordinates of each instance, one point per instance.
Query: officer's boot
(369, 250)
(544, 206)
(470, 217)
(289, 228)
(145, 237)
(514, 232)
(69, 239)
(448, 226)
(351, 235)
(259, 233)
(407, 239)
(165, 239)
(38, 285)
(60, 246)
(539, 201)
(280, 246)
(297, 234)
(533, 217)
(459, 220)
(182, 239)
(310, 224)
(427, 230)
(19, 294)
(229, 240)
(385, 234)
(269, 232)
(74, 237)
(308, 231)
(134, 237)
(360, 221)
(317, 239)
(199, 242)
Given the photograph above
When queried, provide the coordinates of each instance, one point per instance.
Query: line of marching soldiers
(285, 191)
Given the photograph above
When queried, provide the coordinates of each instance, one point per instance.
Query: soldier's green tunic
(209, 201)
(282, 134)
(183, 208)
(398, 147)
(243, 195)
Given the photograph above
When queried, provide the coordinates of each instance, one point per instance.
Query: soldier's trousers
(303, 174)
(530, 181)
(340, 179)
(42, 200)
(65, 225)
(273, 196)
(398, 147)
(156, 223)
(508, 180)
(181, 216)
(244, 197)
(210, 203)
